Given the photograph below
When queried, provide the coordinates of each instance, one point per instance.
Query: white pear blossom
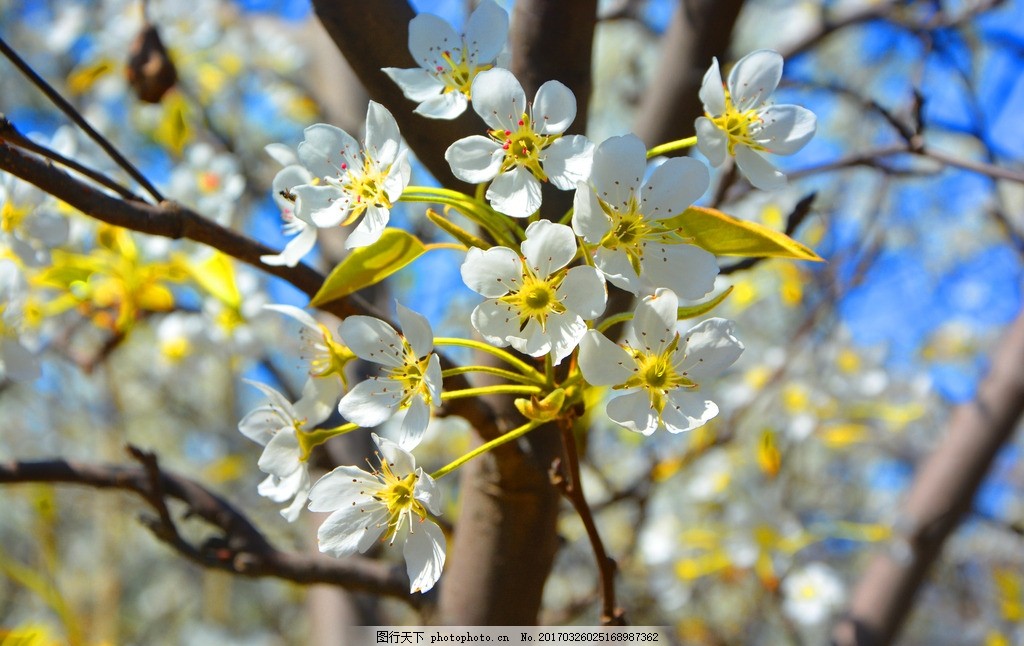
(531, 303)
(449, 61)
(275, 425)
(621, 215)
(660, 373)
(524, 146)
(740, 122)
(812, 593)
(326, 357)
(29, 222)
(353, 182)
(17, 362)
(410, 378)
(287, 178)
(391, 503)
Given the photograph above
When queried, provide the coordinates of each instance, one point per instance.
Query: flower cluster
(544, 283)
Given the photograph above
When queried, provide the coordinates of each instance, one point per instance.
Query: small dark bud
(150, 71)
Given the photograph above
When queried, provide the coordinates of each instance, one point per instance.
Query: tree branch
(240, 549)
(939, 497)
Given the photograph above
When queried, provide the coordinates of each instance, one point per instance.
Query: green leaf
(724, 235)
(699, 309)
(369, 265)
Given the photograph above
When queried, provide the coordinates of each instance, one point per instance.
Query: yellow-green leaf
(724, 235)
(700, 309)
(370, 265)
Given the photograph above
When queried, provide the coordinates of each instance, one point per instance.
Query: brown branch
(571, 486)
(939, 497)
(700, 29)
(240, 549)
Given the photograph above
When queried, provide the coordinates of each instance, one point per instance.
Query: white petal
(424, 555)
(382, 136)
(492, 273)
(281, 457)
(589, 221)
(417, 84)
(712, 92)
(548, 247)
(654, 321)
(759, 170)
(633, 410)
(415, 424)
(532, 339)
(583, 291)
(282, 154)
(712, 142)
(565, 331)
(294, 251)
(429, 38)
(496, 321)
(687, 270)
(603, 362)
(568, 160)
(515, 193)
(416, 329)
(474, 159)
(370, 228)
(433, 379)
(372, 402)
(498, 98)
(687, 410)
(401, 461)
(398, 175)
(286, 179)
(619, 164)
(754, 78)
(261, 424)
(325, 148)
(324, 206)
(554, 108)
(318, 401)
(371, 339)
(710, 348)
(278, 401)
(786, 129)
(292, 511)
(343, 487)
(280, 489)
(486, 32)
(673, 187)
(300, 315)
(350, 528)
(443, 106)
(615, 265)
(426, 491)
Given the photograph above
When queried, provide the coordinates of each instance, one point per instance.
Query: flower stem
(678, 144)
(498, 389)
(621, 317)
(484, 448)
(519, 364)
(474, 210)
(308, 440)
(491, 370)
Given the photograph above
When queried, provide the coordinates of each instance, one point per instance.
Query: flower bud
(150, 71)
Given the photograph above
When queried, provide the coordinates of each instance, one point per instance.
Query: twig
(10, 134)
(78, 119)
(571, 487)
(240, 548)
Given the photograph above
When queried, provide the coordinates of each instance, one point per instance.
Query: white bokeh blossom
(740, 122)
(659, 374)
(525, 144)
(392, 503)
(450, 61)
(620, 214)
(275, 426)
(531, 303)
(812, 593)
(410, 375)
(17, 362)
(352, 182)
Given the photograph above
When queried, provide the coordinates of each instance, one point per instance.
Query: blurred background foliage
(750, 530)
